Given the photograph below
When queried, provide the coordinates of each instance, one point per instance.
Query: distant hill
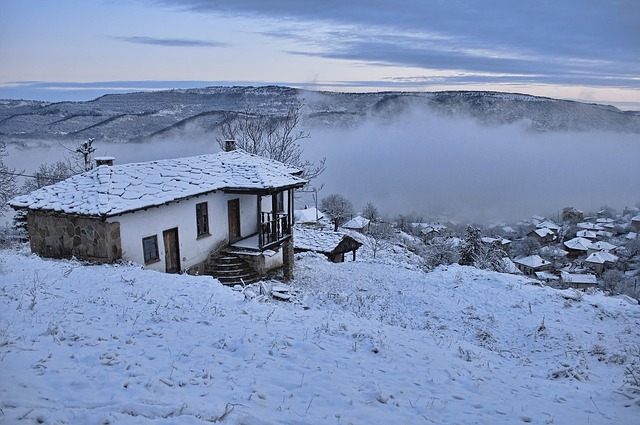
(138, 117)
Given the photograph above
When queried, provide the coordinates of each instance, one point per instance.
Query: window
(150, 249)
(280, 201)
(202, 219)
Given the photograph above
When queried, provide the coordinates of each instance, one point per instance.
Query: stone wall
(62, 236)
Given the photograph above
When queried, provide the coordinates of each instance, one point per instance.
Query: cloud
(565, 42)
(170, 42)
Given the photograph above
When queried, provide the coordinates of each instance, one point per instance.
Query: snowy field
(362, 342)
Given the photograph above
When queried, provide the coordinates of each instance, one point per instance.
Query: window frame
(149, 256)
(202, 219)
(280, 202)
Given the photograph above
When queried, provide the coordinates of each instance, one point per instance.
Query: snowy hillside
(362, 342)
(137, 117)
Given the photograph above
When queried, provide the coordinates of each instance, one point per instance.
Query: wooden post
(287, 258)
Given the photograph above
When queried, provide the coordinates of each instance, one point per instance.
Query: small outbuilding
(332, 244)
(578, 281)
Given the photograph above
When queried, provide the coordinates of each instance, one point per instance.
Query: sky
(77, 50)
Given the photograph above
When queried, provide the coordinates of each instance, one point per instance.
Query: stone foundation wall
(60, 236)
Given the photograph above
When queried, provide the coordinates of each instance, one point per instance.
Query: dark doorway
(171, 250)
(233, 207)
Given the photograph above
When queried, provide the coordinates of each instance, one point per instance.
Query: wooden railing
(273, 228)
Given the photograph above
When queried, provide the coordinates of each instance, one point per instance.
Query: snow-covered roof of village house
(601, 257)
(548, 224)
(307, 215)
(533, 261)
(578, 244)
(113, 190)
(588, 279)
(317, 240)
(589, 226)
(602, 246)
(357, 222)
(588, 234)
(543, 232)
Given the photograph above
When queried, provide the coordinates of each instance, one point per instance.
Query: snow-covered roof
(549, 224)
(589, 226)
(578, 244)
(589, 234)
(636, 218)
(585, 279)
(601, 257)
(533, 261)
(113, 190)
(318, 240)
(543, 232)
(307, 215)
(631, 235)
(546, 276)
(357, 222)
(602, 246)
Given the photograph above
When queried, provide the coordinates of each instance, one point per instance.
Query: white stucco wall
(182, 215)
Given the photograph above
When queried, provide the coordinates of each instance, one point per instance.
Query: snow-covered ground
(362, 342)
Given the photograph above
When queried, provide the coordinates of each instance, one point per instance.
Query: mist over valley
(468, 156)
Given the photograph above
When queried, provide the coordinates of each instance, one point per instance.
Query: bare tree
(441, 251)
(338, 208)
(8, 180)
(379, 236)
(273, 137)
(48, 174)
(370, 212)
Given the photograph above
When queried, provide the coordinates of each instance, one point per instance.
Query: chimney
(229, 145)
(104, 160)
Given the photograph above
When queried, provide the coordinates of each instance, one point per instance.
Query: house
(600, 246)
(549, 225)
(601, 260)
(502, 243)
(578, 281)
(308, 216)
(587, 234)
(635, 223)
(531, 264)
(543, 235)
(169, 215)
(332, 244)
(357, 223)
(577, 246)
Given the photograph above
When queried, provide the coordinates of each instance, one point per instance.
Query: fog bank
(458, 169)
(432, 166)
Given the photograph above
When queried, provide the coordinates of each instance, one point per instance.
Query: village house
(600, 261)
(532, 264)
(358, 224)
(332, 244)
(172, 215)
(577, 246)
(543, 235)
(635, 223)
(577, 280)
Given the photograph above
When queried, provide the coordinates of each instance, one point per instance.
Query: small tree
(273, 137)
(338, 208)
(48, 174)
(441, 251)
(525, 247)
(370, 212)
(379, 236)
(8, 180)
(85, 150)
(471, 246)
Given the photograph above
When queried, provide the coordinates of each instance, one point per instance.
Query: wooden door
(171, 250)
(233, 207)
